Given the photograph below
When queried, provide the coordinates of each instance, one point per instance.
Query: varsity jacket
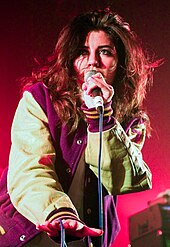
(41, 169)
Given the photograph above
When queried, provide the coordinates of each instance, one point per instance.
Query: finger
(71, 224)
(96, 80)
(108, 93)
(48, 227)
(43, 227)
(86, 231)
(107, 89)
(78, 229)
(73, 227)
(84, 86)
(93, 232)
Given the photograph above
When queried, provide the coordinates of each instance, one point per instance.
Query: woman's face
(98, 53)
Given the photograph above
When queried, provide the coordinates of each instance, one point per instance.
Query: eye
(106, 52)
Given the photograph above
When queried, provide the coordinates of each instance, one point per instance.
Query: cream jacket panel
(121, 157)
(32, 181)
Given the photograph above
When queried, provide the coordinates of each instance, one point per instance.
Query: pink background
(29, 29)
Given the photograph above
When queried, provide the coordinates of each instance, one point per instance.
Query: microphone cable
(63, 242)
(100, 193)
(100, 110)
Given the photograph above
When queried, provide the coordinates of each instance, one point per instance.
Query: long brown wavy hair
(133, 76)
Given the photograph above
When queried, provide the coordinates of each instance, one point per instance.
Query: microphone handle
(96, 93)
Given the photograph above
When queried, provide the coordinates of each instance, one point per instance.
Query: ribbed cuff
(92, 117)
(62, 213)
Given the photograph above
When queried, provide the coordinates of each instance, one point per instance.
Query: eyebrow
(99, 47)
(106, 46)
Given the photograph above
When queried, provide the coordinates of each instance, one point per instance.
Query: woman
(52, 175)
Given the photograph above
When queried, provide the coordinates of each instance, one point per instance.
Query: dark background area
(29, 29)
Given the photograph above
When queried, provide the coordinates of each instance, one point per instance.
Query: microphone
(96, 92)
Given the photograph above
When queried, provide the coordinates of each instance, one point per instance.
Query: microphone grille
(89, 74)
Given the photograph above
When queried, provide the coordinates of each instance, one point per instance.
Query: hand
(72, 227)
(97, 80)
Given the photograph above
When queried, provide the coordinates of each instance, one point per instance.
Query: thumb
(93, 232)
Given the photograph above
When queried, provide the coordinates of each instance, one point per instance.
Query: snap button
(89, 211)
(22, 237)
(79, 142)
(68, 170)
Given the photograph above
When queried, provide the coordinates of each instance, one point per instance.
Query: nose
(93, 60)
